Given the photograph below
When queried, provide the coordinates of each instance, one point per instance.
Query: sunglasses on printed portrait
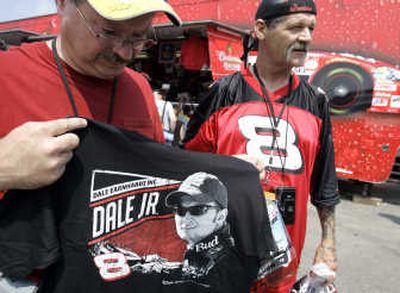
(193, 210)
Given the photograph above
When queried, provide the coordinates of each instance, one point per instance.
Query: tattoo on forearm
(328, 223)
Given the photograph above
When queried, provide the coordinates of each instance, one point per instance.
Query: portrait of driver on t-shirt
(200, 207)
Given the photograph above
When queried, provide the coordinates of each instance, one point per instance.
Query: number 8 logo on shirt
(258, 131)
(112, 266)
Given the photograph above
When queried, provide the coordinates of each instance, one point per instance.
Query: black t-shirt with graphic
(105, 227)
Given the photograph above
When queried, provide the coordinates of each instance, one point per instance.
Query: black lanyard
(267, 100)
(271, 112)
(68, 89)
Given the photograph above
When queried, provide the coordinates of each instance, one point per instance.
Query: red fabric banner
(194, 53)
(225, 50)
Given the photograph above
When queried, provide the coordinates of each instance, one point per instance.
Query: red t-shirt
(244, 128)
(32, 90)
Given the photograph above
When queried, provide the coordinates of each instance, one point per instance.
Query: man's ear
(259, 29)
(222, 215)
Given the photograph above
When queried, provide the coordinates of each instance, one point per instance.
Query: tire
(348, 86)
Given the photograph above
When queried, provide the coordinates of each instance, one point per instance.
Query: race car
(364, 96)
(354, 83)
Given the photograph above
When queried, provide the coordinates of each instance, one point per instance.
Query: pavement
(368, 241)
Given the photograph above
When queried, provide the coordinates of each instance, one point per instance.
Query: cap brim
(119, 10)
(174, 198)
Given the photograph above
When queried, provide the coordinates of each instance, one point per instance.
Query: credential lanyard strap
(268, 101)
(68, 88)
(271, 112)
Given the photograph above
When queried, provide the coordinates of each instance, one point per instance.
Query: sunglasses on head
(193, 210)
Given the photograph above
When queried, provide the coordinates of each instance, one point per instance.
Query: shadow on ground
(388, 192)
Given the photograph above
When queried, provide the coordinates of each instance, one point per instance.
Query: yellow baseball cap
(119, 10)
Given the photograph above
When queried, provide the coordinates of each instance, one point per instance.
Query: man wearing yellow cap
(81, 73)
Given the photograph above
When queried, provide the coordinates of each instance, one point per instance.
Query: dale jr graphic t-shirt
(132, 215)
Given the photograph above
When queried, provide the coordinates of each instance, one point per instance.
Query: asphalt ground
(368, 240)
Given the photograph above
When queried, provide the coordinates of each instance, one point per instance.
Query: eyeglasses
(112, 39)
(193, 210)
